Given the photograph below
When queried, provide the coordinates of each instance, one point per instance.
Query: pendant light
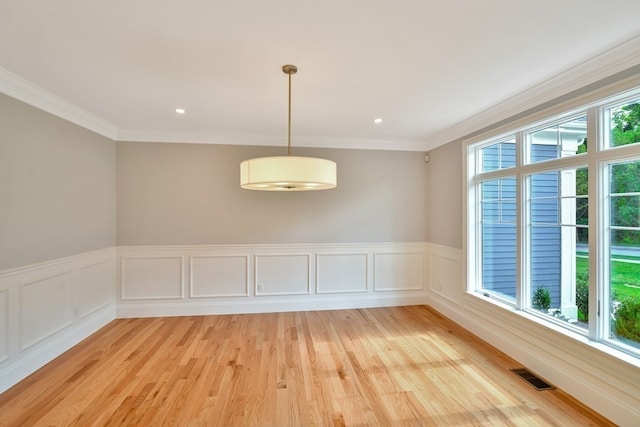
(288, 173)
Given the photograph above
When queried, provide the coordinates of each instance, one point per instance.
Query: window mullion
(474, 249)
(522, 219)
(598, 235)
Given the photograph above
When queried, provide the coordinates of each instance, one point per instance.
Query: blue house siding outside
(499, 227)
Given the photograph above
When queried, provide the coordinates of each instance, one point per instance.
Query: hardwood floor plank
(370, 367)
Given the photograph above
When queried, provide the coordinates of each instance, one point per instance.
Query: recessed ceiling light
(377, 121)
(180, 110)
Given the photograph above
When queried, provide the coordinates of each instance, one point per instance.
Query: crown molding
(125, 135)
(31, 94)
(609, 62)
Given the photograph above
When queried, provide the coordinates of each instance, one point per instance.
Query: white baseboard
(267, 306)
(24, 366)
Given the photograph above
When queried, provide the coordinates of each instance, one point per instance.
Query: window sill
(560, 333)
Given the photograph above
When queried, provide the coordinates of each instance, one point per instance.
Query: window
(558, 241)
(544, 201)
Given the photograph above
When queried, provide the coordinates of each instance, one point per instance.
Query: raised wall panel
(282, 274)
(341, 273)
(46, 307)
(398, 271)
(4, 325)
(152, 278)
(95, 287)
(445, 275)
(219, 276)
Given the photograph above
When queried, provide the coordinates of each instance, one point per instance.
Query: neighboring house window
(553, 224)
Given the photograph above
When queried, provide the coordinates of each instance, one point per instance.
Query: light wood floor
(374, 367)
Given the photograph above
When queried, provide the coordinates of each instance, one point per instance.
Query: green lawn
(625, 277)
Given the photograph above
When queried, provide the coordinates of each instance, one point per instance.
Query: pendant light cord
(289, 129)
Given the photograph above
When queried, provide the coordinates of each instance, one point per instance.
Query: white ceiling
(433, 71)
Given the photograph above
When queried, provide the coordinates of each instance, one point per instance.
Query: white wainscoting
(47, 308)
(144, 278)
(341, 272)
(608, 384)
(219, 276)
(4, 325)
(218, 279)
(445, 273)
(282, 274)
(398, 271)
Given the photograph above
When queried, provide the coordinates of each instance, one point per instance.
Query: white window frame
(598, 159)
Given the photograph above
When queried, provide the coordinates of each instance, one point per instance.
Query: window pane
(625, 211)
(558, 240)
(624, 122)
(625, 194)
(582, 204)
(624, 281)
(582, 276)
(624, 258)
(559, 197)
(498, 227)
(544, 198)
(560, 140)
(499, 156)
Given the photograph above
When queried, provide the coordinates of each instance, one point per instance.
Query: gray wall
(190, 194)
(57, 187)
(444, 181)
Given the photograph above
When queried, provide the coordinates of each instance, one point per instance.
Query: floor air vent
(538, 383)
